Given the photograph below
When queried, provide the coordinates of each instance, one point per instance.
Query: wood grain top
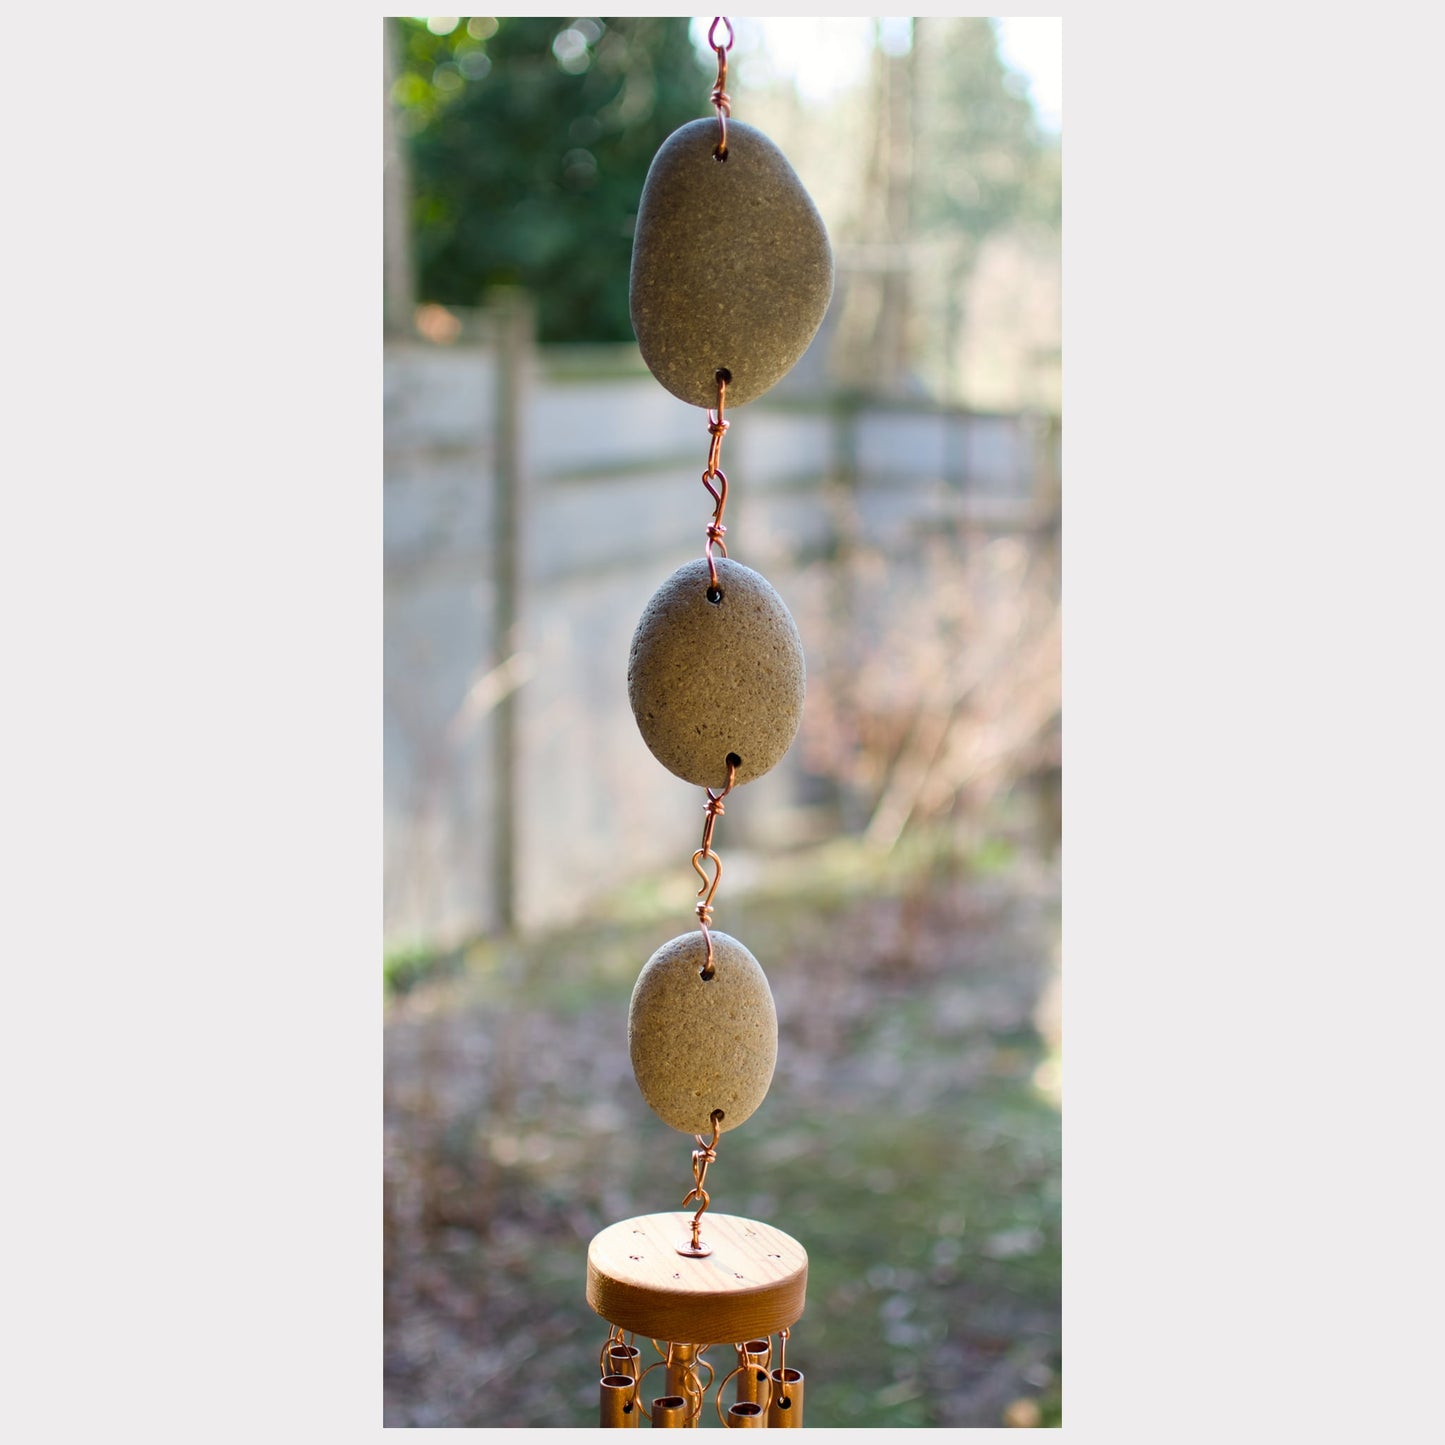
(754, 1283)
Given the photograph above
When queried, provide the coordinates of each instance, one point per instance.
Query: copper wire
(616, 1335)
(702, 1389)
(702, 1156)
(732, 1375)
(741, 1348)
(717, 429)
(714, 810)
(656, 1364)
(692, 1387)
(721, 1390)
(720, 98)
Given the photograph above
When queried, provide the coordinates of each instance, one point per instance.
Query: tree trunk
(398, 278)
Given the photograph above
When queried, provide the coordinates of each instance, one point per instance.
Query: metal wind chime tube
(731, 276)
(619, 1402)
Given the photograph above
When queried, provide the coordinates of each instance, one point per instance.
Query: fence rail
(533, 503)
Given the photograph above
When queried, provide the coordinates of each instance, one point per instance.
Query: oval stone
(702, 1044)
(706, 679)
(731, 267)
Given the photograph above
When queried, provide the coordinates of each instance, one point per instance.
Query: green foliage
(405, 967)
(530, 140)
(993, 165)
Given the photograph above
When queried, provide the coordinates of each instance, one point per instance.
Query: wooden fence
(534, 500)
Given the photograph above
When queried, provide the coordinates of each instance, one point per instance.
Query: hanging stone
(702, 1044)
(711, 678)
(731, 268)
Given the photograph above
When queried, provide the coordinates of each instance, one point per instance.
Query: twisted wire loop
(702, 1156)
(714, 810)
(617, 1337)
(720, 98)
(701, 1388)
(656, 1364)
(742, 1365)
(694, 1392)
(717, 428)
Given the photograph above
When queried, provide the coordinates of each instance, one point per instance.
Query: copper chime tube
(623, 1360)
(753, 1377)
(747, 1415)
(786, 1408)
(682, 1370)
(620, 1406)
(682, 1379)
(670, 1411)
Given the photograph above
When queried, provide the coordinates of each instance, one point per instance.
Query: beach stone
(702, 1044)
(706, 679)
(731, 266)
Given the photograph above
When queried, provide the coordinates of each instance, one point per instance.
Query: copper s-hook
(702, 1156)
(714, 809)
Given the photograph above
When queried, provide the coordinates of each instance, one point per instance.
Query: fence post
(514, 319)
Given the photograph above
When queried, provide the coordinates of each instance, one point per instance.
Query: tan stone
(702, 1044)
(707, 679)
(731, 266)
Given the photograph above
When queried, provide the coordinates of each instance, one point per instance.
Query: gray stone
(731, 266)
(707, 679)
(702, 1044)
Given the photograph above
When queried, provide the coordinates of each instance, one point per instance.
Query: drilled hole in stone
(723, 374)
(733, 760)
(714, 595)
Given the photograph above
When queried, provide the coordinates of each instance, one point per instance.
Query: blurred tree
(993, 164)
(399, 280)
(530, 140)
(995, 170)
(954, 156)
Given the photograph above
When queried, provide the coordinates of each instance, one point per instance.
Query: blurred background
(896, 875)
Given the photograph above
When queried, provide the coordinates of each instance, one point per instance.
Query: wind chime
(731, 276)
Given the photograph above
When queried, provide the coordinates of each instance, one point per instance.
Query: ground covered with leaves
(910, 1141)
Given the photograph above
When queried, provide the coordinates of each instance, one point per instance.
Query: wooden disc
(753, 1284)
